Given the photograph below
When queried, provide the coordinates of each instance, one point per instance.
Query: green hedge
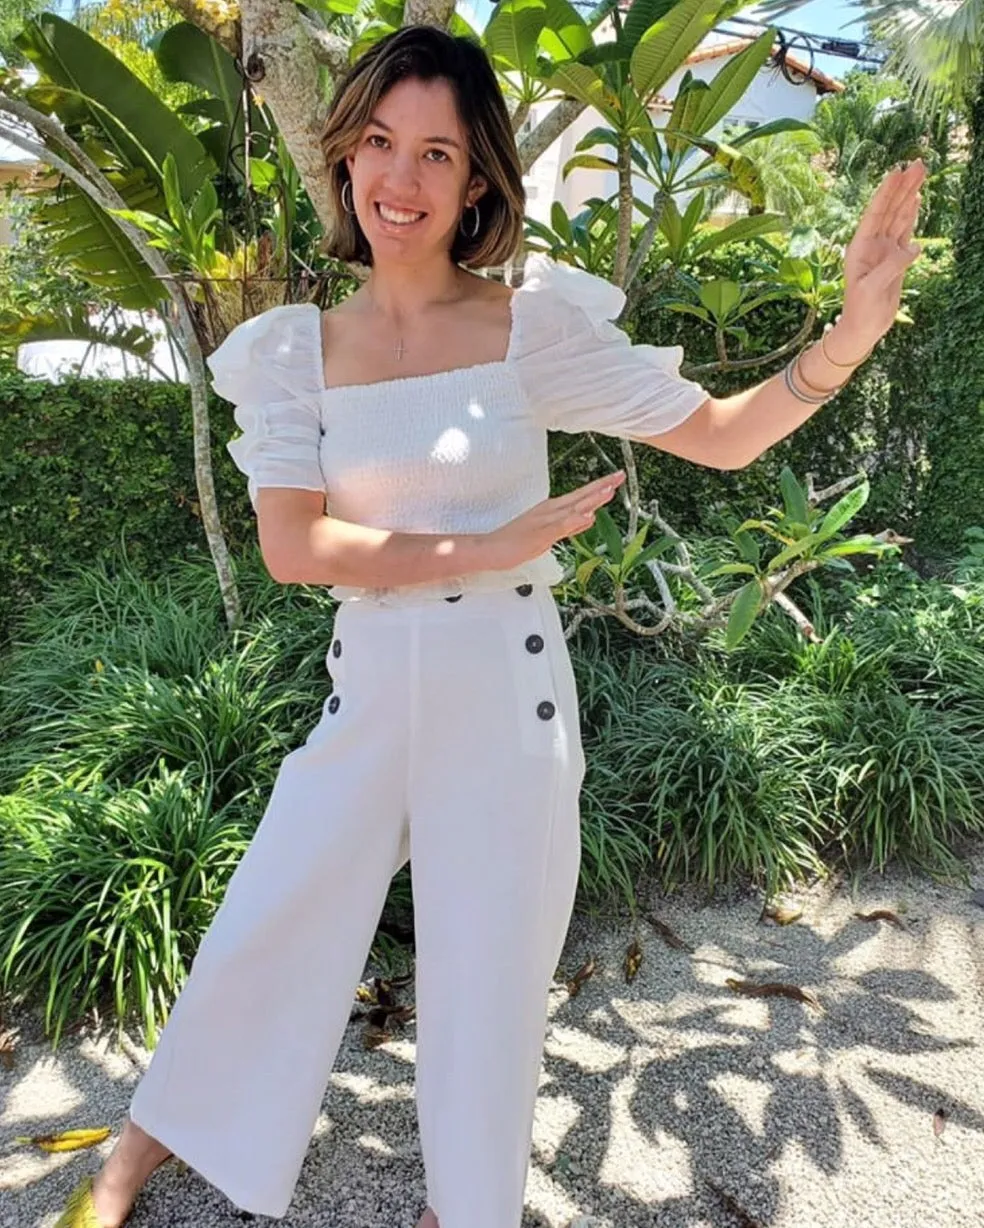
(954, 495)
(88, 466)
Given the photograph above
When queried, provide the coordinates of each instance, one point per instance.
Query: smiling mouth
(398, 217)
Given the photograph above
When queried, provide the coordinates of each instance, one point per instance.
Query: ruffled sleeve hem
(581, 372)
(269, 368)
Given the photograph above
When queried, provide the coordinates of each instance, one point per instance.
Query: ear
(476, 190)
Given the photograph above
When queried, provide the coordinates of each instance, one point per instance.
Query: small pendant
(399, 349)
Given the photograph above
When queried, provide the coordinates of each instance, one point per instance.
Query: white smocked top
(458, 451)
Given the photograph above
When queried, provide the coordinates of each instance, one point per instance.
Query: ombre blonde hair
(428, 53)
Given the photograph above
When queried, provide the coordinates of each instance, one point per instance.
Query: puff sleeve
(269, 368)
(580, 372)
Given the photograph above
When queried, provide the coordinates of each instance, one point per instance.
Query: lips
(398, 217)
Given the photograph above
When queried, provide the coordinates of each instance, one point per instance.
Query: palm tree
(937, 46)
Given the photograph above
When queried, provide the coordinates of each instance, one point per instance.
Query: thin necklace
(399, 349)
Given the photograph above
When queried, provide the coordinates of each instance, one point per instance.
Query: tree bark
(278, 58)
(553, 124)
(625, 208)
(428, 13)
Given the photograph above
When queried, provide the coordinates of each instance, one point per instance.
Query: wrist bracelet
(798, 371)
(806, 398)
(833, 362)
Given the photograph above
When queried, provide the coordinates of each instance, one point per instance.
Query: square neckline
(494, 364)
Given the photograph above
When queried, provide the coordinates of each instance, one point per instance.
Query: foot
(116, 1185)
(428, 1220)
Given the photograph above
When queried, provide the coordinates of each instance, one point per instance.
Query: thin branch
(645, 241)
(829, 492)
(518, 114)
(799, 618)
(744, 364)
(554, 124)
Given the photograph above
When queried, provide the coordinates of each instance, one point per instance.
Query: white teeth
(398, 216)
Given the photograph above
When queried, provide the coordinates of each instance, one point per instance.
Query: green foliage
(784, 756)
(141, 742)
(880, 422)
(955, 491)
(89, 466)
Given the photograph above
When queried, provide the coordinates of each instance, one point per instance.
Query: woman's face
(411, 175)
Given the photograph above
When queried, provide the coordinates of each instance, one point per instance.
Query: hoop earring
(478, 222)
(350, 207)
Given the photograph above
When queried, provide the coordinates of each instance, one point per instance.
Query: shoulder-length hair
(427, 53)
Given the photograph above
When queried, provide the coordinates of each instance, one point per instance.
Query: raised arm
(731, 432)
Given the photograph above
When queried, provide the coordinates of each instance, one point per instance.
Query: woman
(420, 408)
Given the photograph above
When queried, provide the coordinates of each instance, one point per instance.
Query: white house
(774, 94)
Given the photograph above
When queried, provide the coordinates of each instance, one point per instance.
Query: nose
(402, 175)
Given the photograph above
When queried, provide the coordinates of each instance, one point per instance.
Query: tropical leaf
(512, 33)
(81, 234)
(743, 613)
(85, 82)
(667, 43)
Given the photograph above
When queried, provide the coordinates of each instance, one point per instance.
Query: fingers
(903, 222)
(892, 201)
(596, 492)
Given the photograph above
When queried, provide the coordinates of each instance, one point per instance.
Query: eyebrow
(430, 140)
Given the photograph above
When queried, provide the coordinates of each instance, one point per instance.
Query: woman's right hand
(536, 530)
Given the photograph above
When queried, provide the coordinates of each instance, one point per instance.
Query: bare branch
(799, 618)
(744, 364)
(645, 241)
(518, 115)
(553, 125)
(330, 49)
(829, 492)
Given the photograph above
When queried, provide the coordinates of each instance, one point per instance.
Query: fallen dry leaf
(8, 1046)
(67, 1140)
(372, 1037)
(773, 989)
(633, 958)
(882, 914)
(587, 970)
(780, 914)
(669, 937)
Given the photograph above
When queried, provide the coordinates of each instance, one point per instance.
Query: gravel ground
(669, 1101)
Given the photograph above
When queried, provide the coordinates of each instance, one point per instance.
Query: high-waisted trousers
(451, 737)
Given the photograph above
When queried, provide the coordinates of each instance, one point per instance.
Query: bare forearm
(325, 550)
(748, 423)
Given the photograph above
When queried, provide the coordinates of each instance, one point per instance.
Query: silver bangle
(805, 397)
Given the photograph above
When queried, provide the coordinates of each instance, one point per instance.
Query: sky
(828, 17)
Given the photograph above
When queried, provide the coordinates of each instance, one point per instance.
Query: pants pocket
(542, 708)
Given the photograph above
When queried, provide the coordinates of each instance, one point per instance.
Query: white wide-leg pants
(451, 737)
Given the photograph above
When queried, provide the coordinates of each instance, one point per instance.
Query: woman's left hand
(878, 256)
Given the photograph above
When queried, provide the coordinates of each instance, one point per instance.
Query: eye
(441, 155)
(374, 137)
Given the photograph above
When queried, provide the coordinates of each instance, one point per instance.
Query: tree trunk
(954, 494)
(625, 208)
